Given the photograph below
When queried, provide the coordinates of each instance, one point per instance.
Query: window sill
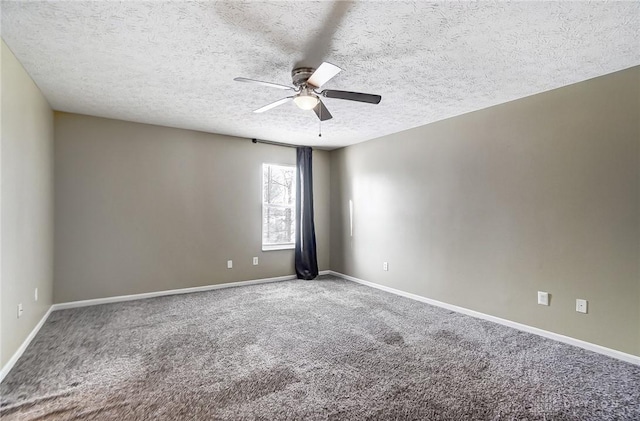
(271, 247)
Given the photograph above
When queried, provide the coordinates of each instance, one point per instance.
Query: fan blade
(322, 112)
(259, 82)
(317, 48)
(323, 74)
(273, 104)
(352, 96)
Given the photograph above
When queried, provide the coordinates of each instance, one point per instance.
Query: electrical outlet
(255, 261)
(581, 306)
(19, 310)
(543, 298)
(229, 264)
(35, 295)
(385, 265)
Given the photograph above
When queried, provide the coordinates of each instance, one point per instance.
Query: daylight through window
(278, 206)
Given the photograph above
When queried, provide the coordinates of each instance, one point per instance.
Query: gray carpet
(305, 350)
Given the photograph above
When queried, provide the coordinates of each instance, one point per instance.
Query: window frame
(277, 246)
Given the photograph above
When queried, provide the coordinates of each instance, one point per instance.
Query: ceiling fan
(306, 84)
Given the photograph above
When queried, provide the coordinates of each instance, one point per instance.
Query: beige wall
(485, 209)
(143, 208)
(27, 205)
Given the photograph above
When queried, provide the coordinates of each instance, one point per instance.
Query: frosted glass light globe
(306, 102)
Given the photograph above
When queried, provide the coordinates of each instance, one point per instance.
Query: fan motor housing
(300, 75)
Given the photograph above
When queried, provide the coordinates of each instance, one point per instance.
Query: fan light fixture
(306, 101)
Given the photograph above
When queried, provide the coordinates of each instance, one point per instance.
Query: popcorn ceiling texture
(173, 63)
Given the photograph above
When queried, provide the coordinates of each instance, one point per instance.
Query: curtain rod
(268, 142)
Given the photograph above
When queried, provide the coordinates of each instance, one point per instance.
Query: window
(278, 206)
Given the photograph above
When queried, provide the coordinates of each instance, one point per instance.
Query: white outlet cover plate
(255, 261)
(543, 298)
(581, 306)
(229, 264)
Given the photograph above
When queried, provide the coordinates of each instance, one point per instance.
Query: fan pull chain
(320, 124)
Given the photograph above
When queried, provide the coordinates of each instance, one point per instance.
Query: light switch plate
(229, 264)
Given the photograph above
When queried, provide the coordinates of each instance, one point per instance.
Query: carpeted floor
(305, 350)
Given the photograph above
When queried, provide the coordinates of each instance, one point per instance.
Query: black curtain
(306, 258)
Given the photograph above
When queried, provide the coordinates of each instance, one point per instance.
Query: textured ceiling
(173, 63)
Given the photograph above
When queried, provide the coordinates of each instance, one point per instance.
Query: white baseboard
(142, 296)
(16, 355)
(633, 359)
